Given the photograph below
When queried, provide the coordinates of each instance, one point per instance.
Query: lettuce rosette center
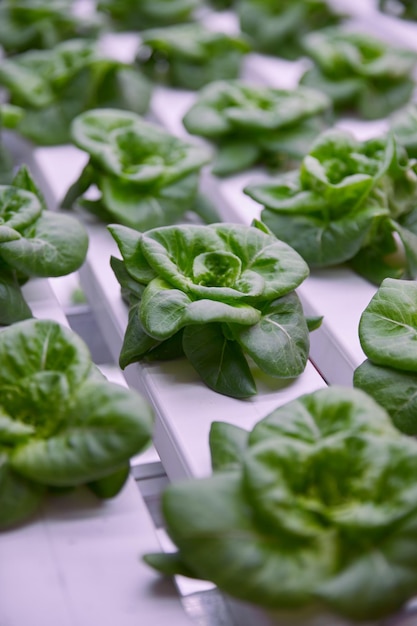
(219, 290)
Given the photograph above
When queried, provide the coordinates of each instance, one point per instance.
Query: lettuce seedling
(34, 242)
(254, 124)
(145, 176)
(350, 201)
(361, 74)
(314, 510)
(141, 14)
(39, 24)
(388, 336)
(190, 55)
(53, 86)
(278, 28)
(214, 293)
(62, 424)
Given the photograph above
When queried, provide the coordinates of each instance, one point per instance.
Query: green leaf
(279, 342)
(56, 246)
(388, 325)
(136, 342)
(35, 346)
(19, 498)
(394, 390)
(164, 311)
(409, 241)
(105, 425)
(109, 486)
(235, 156)
(218, 361)
(324, 242)
(13, 306)
(227, 445)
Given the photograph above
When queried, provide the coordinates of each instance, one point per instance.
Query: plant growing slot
(279, 28)
(360, 73)
(313, 511)
(388, 336)
(145, 176)
(190, 55)
(216, 294)
(62, 424)
(349, 201)
(34, 242)
(252, 124)
(53, 86)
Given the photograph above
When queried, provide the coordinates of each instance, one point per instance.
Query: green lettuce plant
(278, 28)
(403, 124)
(350, 201)
(62, 424)
(255, 124)
(145, 176)
(405, 9)
(388, 336)
(34, 242)
(40, 24)
(141, 14)
(314, 510)
(360, 73)
(190, 55)
(53, 86)
(216, 294)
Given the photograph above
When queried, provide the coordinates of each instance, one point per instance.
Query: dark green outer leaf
(109, 486)
(129, 243)
(409, 241)
(320, 242)
(227, 445)
(388, 325)
(56, 246)
(13, 307)
(105, 426)
(219, 362)
(136, 342)
(394, 390)
(143, 209)
(19, 498)
(279, 342)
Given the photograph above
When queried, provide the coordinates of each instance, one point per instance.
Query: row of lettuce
(318, 500)
(272, 27)
(219, 294)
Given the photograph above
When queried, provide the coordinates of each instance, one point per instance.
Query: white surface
(40, 296)
(78, 564)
